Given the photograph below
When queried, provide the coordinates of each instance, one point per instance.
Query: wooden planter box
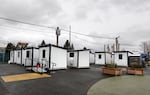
(112, 71)
(135, 71)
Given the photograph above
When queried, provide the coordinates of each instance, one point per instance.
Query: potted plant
(111, 69)
(135, 68)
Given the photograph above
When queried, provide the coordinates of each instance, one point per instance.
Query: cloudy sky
(128, 19)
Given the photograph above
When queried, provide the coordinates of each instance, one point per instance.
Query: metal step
(38, 70)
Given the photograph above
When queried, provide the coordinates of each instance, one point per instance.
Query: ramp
(26, 76)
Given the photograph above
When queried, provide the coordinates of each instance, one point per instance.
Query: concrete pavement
(122, 85)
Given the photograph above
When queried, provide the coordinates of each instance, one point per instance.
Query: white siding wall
(108, 58)
(123, 61)
(92, 58)
(59, 57)
(15, 56)
(45, 60)
(18, 56)
(84, 59)
(100, 61)
(23, 56)
(28, 61)
(36, 57)
(11, 56)
(72, 61)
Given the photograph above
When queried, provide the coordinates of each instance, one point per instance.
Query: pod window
(71, 54)
(43, 53)
(120, 56)
(18, 54)
(28, 54)
(99, 56)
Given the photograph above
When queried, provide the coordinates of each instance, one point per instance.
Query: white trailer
(11, 57)
(102, 58)
(24, 56)
(30, 56)
(79, 58)
(53, 57)
(92, 58)
(18, 56)
(121, 57)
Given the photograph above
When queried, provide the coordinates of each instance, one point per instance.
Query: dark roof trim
(48, 45)
(102, 52)
(92, 53)
(26, 48)
(115, 52)
(30, 48)
(122, 52)
(135, 56)
(79, 50)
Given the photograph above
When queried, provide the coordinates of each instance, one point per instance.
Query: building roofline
(48, 45)
(135, 56)
(114, 52)
(79, 50)
(102, 52)
(25, 48)
(30, 48)
(123, 51)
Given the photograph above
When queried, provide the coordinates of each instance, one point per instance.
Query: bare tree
(146, 47)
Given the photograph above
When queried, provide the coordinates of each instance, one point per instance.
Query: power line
(8, 19)
(93, 36)
(86, 40)
(24, 29)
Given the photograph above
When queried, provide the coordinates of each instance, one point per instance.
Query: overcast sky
(128, 19)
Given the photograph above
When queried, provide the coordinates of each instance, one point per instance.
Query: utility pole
(70, 34)
(3, 52)
(105, 53)
(118, 46)
(57, 35)
(117, 43)
(113, 47)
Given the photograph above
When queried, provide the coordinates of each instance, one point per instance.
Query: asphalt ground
(62, 82)
(3, 90)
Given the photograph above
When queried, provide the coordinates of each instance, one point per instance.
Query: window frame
(43, 53)
(100, 56)
(120, 56)
(27, 54)
(18, 54)
(71, 54)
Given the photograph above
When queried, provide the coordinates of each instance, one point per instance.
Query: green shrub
(112, 65)
(135, 65)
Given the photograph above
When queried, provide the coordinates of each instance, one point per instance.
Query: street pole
(70, 34)
(57, 38)
(117, 43)
(3, 52)
(105, 53)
